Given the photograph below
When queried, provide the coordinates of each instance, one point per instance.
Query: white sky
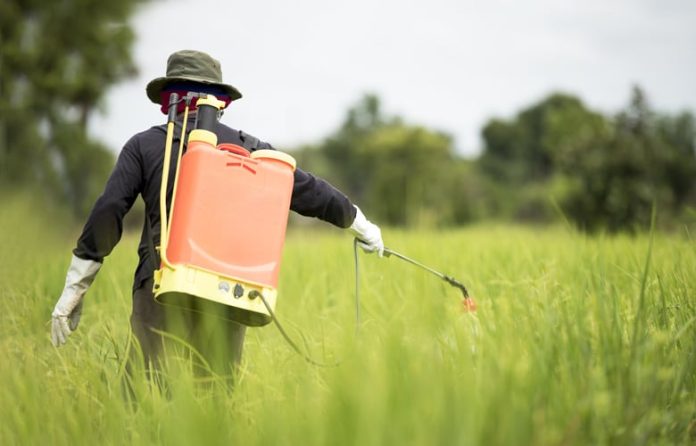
(447, 64)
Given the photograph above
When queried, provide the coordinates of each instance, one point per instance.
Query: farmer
(138, 171)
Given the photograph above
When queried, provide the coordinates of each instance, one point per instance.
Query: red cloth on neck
(164, 101)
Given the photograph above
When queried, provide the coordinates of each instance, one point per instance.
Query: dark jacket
(138, 171)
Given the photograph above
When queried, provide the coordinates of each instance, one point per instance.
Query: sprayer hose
(289, 340)
(292, 343)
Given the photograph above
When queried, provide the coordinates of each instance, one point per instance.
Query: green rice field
(578, 340)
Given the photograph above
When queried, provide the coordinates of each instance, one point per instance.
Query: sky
(446, 64)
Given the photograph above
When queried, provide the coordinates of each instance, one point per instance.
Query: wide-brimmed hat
(192, 66)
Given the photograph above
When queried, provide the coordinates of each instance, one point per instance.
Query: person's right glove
(368, 234)
(68, 309)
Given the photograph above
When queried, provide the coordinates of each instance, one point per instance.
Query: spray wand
(467, 301)
(469, 304)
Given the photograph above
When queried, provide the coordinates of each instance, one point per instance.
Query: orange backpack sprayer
(221, 244)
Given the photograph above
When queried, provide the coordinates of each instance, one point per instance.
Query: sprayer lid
(274, 154)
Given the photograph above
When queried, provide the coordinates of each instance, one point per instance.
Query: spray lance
(467, 301)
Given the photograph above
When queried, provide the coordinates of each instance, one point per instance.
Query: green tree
(56, 61)
(649, 159)
(407, 170)
(531, 146)
(678, 133)
(604, 172)
(525, 157)
(400, 174)
(341, 148)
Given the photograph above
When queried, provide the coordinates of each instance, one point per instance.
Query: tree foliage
(56, 61)
(601, 172)
(604, 172)
(400, 174)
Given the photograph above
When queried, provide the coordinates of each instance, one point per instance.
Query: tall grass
(577, 340)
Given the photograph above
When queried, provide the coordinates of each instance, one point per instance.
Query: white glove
(68, 309)
(368, 234)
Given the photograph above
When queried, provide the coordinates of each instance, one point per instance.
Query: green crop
(577, 340)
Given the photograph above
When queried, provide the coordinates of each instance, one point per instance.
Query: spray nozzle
(457, 284)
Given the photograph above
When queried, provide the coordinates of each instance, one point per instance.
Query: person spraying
(138, 172)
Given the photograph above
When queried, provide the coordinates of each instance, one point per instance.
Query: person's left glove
(369, 235)
(68, 309)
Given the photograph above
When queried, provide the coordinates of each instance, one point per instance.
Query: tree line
(556, 159)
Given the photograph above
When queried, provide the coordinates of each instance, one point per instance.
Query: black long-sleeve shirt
(138, 171)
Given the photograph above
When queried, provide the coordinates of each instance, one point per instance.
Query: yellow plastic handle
(211, 100)
(164, 220)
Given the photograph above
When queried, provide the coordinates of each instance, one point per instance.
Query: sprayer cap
(276, 155)
(205, 136)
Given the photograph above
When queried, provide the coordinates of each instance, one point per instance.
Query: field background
(577, 340)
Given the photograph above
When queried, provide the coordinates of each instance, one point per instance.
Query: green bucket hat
(193, 66)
